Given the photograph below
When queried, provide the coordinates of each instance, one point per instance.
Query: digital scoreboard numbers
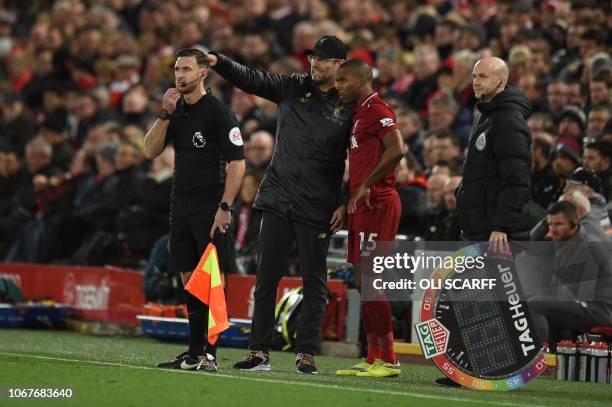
(483, 339)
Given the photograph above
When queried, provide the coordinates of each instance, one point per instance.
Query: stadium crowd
(82, 81)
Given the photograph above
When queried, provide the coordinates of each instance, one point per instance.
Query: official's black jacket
(496, 175)
(312, 134)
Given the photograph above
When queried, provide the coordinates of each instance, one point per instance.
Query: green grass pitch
(119, 372)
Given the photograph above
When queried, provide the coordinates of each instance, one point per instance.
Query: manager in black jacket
(300, 192)
(496, 175)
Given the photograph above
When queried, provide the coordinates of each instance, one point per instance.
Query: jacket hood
(510, 99)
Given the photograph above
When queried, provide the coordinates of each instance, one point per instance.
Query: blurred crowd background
(81, 82)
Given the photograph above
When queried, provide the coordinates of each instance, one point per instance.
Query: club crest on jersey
(386, 122)
(198, 140)
(338, 112)
(481, 141)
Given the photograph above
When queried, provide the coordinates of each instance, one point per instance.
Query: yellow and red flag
(205, 283)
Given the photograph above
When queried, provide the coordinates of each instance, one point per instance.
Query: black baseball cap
(588, 178)
(328, 47)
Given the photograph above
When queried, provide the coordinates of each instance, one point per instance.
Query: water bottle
(566, 360)
(599, 363)
(585, 358)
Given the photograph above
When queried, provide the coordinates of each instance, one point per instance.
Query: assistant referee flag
(205, 284)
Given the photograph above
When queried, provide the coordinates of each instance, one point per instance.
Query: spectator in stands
(425, 79)
(472, 37)
(38, 159)
(593, 41)
(445, 35)
(127, 76)
(544, 182)
(598, 117)
(411, 128)
(449, 168)
(591, 225)
(16, 124)
(243, 105)
(556, 96)
(571, 127)
(531, 86)
(589, 184)
(598, 158)
(588, 221)
(135, 107)
(115, 190)
(258, 151)
(442, 115)
(54, 131)
(445, 227)
(580, 284)
(577, 94)
(446, 146)
(12, 175)
(435, 191)
(436, 211)
(599, 89)
(463, 63)
(564, 161)
(412, 190)
(541, 122)
(429, 153)
(39, 162)
(88, 112)
(101, 135)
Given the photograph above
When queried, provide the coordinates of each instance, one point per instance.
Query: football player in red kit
(374, 208)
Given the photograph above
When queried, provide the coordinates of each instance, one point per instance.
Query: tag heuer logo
(481, 141)
(433, 337)
(198, 140)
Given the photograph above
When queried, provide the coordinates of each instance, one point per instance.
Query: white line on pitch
(274, 381)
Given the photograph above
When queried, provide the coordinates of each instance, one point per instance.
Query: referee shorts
(191, 218)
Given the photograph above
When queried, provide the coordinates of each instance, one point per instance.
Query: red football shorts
(366, 226)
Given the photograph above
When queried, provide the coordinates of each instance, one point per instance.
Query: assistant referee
(209, 166)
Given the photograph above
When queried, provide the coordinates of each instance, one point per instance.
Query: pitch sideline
(273, 381)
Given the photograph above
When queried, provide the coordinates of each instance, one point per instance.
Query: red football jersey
(372, 120)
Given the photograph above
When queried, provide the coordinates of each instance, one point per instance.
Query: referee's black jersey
(205, 137)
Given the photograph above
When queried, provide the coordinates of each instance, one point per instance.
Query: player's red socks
(378, 316)
(373, 350)
(387, 353)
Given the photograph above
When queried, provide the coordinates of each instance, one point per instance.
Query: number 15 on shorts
(367, 242)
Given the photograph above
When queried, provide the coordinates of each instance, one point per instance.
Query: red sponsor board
(94, 293)
(114, 295)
